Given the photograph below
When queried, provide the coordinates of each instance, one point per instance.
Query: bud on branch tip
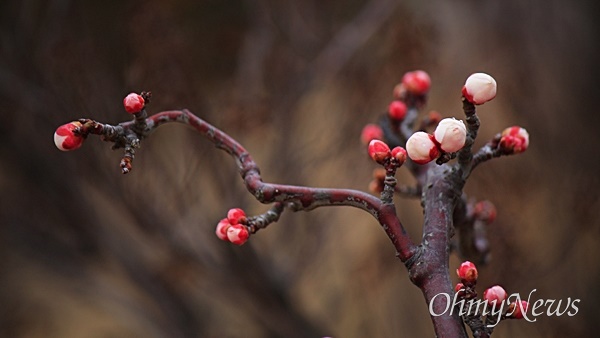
(65, 137)
(479, 88)
(232, 229)
(514, 140)
(399, 154)
(467, 273)
(495, 293)
(379, 151)
(417, 82)
(133, 103)
(397, 110)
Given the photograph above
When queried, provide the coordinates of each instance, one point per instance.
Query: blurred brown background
(88, 252)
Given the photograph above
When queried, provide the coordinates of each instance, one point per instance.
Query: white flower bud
(451, 134)
(421, 148)
(479, 88)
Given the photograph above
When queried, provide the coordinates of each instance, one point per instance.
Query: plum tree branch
(296, 198)
(439, 183)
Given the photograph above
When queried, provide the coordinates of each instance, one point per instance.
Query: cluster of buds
(380, 152)
(494, 296)
(416, 82)
(413, 88)
(467, 275)
(233, 228)
(70, 136)
(449, 137)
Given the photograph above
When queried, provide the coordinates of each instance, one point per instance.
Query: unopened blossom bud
(485, 211)
(65, 137)
(451, 134)
(379, 151)
(133, 103)
(459, 287)
(236, 216)
(495, 293)
(467, 272)
(479, 88)
(518, 309)
(421, 148)
(514, 140)
(417, 82)
(397, 110)
(370, 132)
(237, 234)
(222, 227)
(399, 154)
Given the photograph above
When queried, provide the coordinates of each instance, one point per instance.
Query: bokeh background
(88, 252)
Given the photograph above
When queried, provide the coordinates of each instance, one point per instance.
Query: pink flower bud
(399, 154)
(236, 216)
(479, 88)
(133, 103)
(65, 137)
(485, 211)
(459, 287)
(495, 293)
(379, 151)
(370, 132)
(417, 82)
(397, 110)
(514, 140)
(451, 134)
(518, 309)
(421, 148)
(237, 234)
(222, 227)
(467, 272)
